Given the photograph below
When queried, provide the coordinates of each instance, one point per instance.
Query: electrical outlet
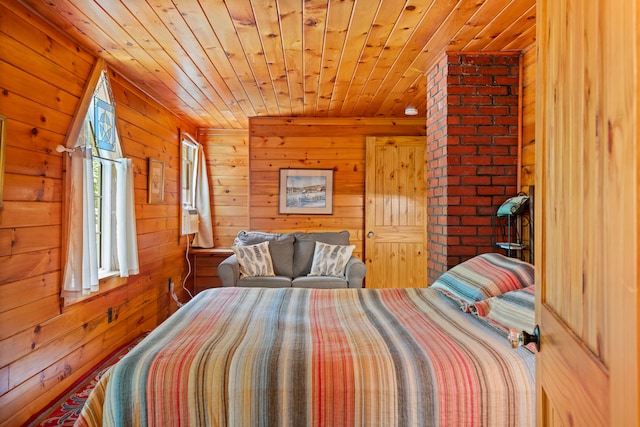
(110, 315)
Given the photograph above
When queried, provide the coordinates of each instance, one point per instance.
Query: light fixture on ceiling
(410, 111)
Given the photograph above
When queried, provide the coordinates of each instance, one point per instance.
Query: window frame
(108, 278)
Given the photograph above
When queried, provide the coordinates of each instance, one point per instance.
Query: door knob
(518, 339)
(370, 234)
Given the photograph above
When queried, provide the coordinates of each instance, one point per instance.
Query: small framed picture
(156, 181)
(306, 191)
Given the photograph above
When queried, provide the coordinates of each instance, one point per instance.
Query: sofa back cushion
(305, 245)
(280, 248)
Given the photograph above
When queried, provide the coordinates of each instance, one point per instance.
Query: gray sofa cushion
(305, 245)
(280, 247)
(321, 282)
(265, 282)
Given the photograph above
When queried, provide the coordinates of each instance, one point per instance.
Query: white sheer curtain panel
(126, 235)
(204, 237)
(81, 268)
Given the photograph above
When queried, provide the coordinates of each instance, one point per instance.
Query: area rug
(65, 409)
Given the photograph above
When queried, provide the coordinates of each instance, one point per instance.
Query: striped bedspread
(315, 357)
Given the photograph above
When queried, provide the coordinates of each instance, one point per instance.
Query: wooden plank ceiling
(218, 62)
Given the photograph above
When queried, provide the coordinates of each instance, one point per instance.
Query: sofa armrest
(355, 272)
(229, 271)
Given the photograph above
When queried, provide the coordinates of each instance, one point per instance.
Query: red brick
(505, 160)
(507, 80)
(476, 139)
(474, 241)
(462, 130)
(505, 140)
(494, 70)
(507, 59)
(490, 209)
(453, 240)
(493, 130)
(478, 80)
(490, 191)
(462, 170)
(475, 120)
(476, 59)
(497, 110)
(503, 180)
(462, 149)
(463, 90)
(494, 150)
(476, 160)
(463, 110)
(477, 100)
(461, 210)
(476, 180)
(462, 191)
(504, 100)
(461, 250)
(506, 120)
(476, 220)
(493, 90)
(477, 201)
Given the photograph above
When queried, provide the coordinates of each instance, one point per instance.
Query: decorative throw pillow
(254, 260)
(485, 276)
(511, 310)
(330, 260)
(280, 248)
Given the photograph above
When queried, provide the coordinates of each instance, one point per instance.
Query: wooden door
(587, 212)
(395, 217)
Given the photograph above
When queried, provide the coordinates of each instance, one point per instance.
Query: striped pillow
(254, 260)
(330, 260)
(511, 310)
(485, 276)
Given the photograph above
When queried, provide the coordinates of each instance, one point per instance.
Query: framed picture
(3, 132)
(156, 181)
(306, 191)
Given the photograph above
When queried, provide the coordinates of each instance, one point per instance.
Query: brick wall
(472, 141)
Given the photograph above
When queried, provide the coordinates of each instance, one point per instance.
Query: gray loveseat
(292, 257)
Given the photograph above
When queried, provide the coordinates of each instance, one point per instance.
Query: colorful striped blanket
(316, 357)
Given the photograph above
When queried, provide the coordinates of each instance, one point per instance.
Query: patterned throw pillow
(330, 260)
(254, 260)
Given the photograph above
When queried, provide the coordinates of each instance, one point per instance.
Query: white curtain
(204, 237)
(81, 269)
(126, 236)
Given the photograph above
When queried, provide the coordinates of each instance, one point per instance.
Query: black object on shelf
(511, 219)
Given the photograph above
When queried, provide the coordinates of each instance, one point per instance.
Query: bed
(300, 357)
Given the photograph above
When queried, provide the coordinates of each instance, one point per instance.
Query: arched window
(101, 226)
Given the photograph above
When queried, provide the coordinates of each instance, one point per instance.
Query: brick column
(472, 144)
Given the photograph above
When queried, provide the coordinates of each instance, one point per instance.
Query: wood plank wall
(45, 347)
(227, 155)
(320, 143)
(528, 152)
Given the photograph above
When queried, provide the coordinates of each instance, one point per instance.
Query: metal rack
(510, 229)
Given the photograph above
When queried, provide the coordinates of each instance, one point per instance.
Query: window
(189, 172)
(101, 219)
(105, 149)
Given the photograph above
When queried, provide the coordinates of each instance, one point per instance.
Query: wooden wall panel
(318, 143)
(528, 118)
(227, 156)
(45, 347)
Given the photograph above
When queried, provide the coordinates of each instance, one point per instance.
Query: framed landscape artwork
(156, 181)
(306, 191)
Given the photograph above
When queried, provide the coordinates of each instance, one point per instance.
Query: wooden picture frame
(156, 181)
(306, 191)
(3, 133)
